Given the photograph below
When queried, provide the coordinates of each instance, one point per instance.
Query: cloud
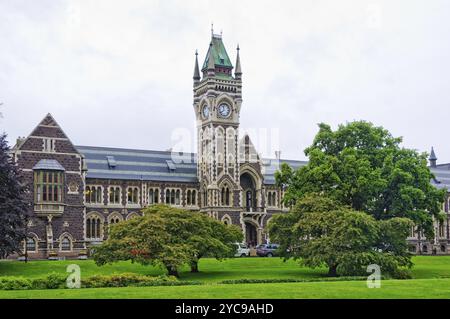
(120, 74)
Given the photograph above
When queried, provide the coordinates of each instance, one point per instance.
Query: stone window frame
(175, 190)
(114, 216)
(158, 196)
(101, 219)
(61, 239)
(271, 196)
(226, 219)
(190, 196)
(39, 184)
(102, 190)
(138, 196)
(33, 237)
(48, 145)
(115, 187)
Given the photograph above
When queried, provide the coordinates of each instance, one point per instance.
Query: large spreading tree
(14, 207)
(361, 169)
(170, 237)
(364, 167)
(319, 231)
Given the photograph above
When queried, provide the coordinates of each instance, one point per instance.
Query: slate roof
(270, 166)
(163, 166)
(442, 176)
(119, 163)
(49, 164)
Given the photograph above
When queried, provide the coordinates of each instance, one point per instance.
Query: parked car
(267, 250)
(242, 250)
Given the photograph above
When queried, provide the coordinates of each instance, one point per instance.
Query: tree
(144, 240)
(14, 207)
(204, 235)
(364, 167)
(170, 237)
(319, 231)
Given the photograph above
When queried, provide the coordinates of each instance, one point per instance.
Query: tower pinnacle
(196, 69)
(238, 71)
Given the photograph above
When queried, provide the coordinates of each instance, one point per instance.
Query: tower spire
(238, 71)
(433, 158)
(196, 69)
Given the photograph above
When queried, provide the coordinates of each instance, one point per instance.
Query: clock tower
(217, 104)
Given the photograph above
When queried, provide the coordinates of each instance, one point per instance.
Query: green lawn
(417, 288)
(431, 280)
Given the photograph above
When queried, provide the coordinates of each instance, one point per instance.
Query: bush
(287, 280)
(15, 283)
(127, 279)
(52, 281)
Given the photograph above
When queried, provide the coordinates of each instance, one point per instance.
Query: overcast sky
(119, 73)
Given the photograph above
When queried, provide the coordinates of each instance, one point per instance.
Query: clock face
(205, 111)
(224, 110)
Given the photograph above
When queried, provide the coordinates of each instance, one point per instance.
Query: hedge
(56, 281)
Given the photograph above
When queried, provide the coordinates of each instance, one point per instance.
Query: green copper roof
(219, 53)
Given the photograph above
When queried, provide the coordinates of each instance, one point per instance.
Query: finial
(237, 47)
(212, 28)
(196, 52)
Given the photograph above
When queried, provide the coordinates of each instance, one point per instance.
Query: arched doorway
(249, 194)
(251, 235)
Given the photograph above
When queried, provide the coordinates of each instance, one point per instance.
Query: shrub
(126, 279)
(14, 283)
(51, 281)
(287, 280)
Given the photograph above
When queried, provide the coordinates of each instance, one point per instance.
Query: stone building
(79, 191)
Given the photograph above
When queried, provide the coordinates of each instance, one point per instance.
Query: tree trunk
(194, 266)
(172, 271)
(332, 270)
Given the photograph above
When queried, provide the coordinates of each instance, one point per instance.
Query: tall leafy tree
(364, 167)
(14, 207)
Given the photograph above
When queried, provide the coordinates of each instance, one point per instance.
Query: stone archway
(251, 234)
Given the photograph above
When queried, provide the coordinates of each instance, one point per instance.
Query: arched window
(94, 227)
(114, 195)
(133, 195)
(114, 220)
(177, 197)
(153, 196)
(66, 244)
(194, 198)
(31, 244)
(188, 198)
(443, 248)
(167, 196)
(225, 196)
(425, 248)
(441, 230)
(94, 195)
(226, 219)
(172, 196)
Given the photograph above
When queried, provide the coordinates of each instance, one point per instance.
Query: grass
(431, 280)
(398, 289)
